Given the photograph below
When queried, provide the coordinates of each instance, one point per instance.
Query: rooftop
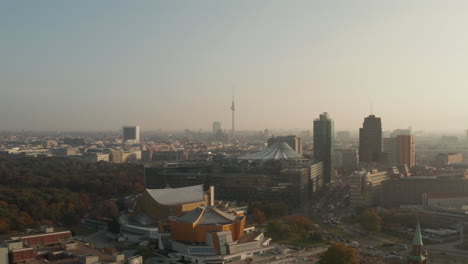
(204, 215)
(177, 196)
(279, 150)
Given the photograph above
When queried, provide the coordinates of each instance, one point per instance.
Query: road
(291, 257)
(447, 248)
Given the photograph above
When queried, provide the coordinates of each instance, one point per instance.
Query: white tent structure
(277, 151)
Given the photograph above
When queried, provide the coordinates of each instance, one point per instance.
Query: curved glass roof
(279, 150)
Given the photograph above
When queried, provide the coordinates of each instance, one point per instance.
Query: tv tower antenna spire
(233, 109)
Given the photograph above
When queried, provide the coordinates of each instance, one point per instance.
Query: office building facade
(324, 149)
(370, 140)
(131, 134)
(366, 187)
(406, 150)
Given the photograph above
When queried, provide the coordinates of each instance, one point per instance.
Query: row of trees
(262, 211)
(290, 226)
(373, 221)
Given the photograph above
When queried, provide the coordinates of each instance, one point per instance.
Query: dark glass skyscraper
(370, 140)
(324, 140)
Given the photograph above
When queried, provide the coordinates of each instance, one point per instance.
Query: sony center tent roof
(279, 150)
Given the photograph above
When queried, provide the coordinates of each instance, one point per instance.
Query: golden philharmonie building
(189, 223)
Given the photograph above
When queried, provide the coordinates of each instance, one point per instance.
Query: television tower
(233, 108)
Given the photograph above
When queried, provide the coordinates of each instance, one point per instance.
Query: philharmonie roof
(279, 150)
(203, 215)
(177, 196)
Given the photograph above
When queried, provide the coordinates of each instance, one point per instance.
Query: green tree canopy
(370, 221)
(339, 253)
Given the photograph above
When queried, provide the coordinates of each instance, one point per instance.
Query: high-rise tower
(131, 134)
(370, 140)
(324, 141)
(233, 108)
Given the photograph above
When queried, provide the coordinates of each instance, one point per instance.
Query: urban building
(74, 141)
(324, 145)
(131, 134)
(445, 159)
(210, 235)
(390, 145)
(346, 160)
(49, 246)
(293, 141)
(343, 136)
(129, 156)
(65, 152)
(154, 206)
(274, 174)
(147, 155)
(366, 187)
(115, 155)
(49, 143)
(400, 150)
(370, 140)
(449, 201)
(96, 157)
(217, 131)
(406, 150)
(316, 177)
(410, 190)
(398, 132)
(22, 248)
(170, 155)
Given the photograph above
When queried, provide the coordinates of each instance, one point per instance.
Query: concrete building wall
(390, 147)
(406, 150)
(131, 133)
(346, 160)
(409, 191)
(366, 187)
(3, 255)
(316, 176)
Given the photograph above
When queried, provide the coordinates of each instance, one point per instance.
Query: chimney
(212, 196)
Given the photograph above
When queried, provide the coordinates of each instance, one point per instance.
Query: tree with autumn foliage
(339, 253)
(259, 216)
(370, 221)
(34, 191)
(299, 223)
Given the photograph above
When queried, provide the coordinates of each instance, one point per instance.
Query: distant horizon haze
(172, 65)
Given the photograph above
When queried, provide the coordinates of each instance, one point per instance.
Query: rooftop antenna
(371, 109)
(233, 108)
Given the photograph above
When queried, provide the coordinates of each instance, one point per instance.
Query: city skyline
(166, 65)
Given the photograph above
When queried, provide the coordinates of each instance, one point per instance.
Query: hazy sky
(77, 65)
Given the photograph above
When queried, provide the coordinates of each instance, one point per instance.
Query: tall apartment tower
(131, 134)
(406, 150)
(324, 145)
(370, 140)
